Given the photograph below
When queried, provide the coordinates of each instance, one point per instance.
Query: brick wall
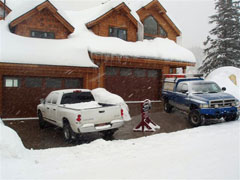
(42, 21)
(116, 19)
(144, 13)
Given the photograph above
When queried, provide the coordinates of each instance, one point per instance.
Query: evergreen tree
(223, 43)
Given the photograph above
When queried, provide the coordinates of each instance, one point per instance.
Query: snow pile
(11, 145)
(221, 77)
(208, 152)
(101, 95)
(86, 105)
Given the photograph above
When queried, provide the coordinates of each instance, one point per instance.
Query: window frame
(118, 28)
(42, 32)
(13, 80)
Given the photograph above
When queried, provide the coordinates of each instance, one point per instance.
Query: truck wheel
(194, 118)
(68, 133)
(167, 107)
(42, 123)
(108, 135)
(232, 117)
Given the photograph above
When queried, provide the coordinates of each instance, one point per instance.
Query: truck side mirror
(223, 89)
(42, 101)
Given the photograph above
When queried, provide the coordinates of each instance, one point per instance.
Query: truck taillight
(78, 118)
(122, 112)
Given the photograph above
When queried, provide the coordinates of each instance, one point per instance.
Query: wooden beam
(1, 94)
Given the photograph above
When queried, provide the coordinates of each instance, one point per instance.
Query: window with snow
(118, 32)
(41, 34)
(2, 12)
(152, 28)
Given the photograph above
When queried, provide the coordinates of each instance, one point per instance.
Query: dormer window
(2, 12)
(41, 34)
(118, 32)
(152, 29)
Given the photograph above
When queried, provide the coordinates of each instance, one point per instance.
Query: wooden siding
(117, 19)
(21, 71)
(42, 21)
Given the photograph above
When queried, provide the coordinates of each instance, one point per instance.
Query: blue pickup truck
(199, 98)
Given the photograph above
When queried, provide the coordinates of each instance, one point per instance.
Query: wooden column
(1, 94)
(184, 69)
(101, 74)
(165, 69)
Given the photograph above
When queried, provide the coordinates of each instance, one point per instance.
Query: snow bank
(208, 152)
(101, 95)
(11, 145)
(221, 77)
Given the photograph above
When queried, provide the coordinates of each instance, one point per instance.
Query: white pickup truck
(76, 111)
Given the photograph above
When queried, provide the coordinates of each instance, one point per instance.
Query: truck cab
(199, 98)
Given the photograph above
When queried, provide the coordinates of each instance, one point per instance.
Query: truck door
(53, 108)
(181, 98)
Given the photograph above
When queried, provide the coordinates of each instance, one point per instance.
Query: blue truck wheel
(167, 107)
(194, 118)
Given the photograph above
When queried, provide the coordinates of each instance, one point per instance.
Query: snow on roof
(74, 50)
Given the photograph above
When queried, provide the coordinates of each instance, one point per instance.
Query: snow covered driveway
(204, 152)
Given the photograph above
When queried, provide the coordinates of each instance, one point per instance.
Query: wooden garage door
(21, 95)
(133, 84)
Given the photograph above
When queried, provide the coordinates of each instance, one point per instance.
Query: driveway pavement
(36, 138)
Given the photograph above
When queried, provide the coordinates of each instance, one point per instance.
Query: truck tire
(69, 135)
(108, 135)
(194, 118)
(167, 107)
(41, 122)
(232, 117)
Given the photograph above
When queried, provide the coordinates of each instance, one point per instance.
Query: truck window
(77, 97)
(182, 87)
(54, 98)
(168, 86)
(49, 98)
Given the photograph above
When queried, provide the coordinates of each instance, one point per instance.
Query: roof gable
(8, 10)
(40, 7)
(155, 4)
(121, 6)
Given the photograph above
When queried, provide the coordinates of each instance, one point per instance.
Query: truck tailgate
(101, 115)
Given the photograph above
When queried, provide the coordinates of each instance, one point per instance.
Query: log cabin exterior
(4, 10)
(133, 78)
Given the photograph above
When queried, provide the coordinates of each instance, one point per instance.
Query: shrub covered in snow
(11, 145)
(222, 77)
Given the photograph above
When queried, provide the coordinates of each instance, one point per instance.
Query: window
(11, 82)
(41, 34)
(139, 72)
(117, 32)
(77, 97)
(153, 73)
(33, 82)
(151, 27)
(182, 87)
(53, 83)
(111, 71)
(54, 98)
(125, 72)
(72, 83)
(168, 86)
(49, 99)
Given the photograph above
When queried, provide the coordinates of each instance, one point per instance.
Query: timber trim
(121, 6)
(156, 4)
(136, 62)
(7, 8)
(38, 8)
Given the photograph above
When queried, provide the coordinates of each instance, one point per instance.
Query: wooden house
(31, 72)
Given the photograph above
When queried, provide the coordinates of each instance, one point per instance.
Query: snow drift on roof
(74, 50)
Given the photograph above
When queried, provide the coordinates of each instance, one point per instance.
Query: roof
(5, 6)
(46, 4)
(74, 50)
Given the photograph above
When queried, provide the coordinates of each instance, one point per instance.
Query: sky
(191, 17)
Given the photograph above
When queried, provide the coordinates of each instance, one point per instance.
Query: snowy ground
(204, 152)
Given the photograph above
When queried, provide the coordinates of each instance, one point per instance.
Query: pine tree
(223, 43)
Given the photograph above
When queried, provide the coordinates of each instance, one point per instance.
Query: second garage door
(133, 84)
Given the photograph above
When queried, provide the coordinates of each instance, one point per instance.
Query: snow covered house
(122, 45)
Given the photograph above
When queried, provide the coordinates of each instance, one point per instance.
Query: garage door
(133, 84)
(21, 95)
